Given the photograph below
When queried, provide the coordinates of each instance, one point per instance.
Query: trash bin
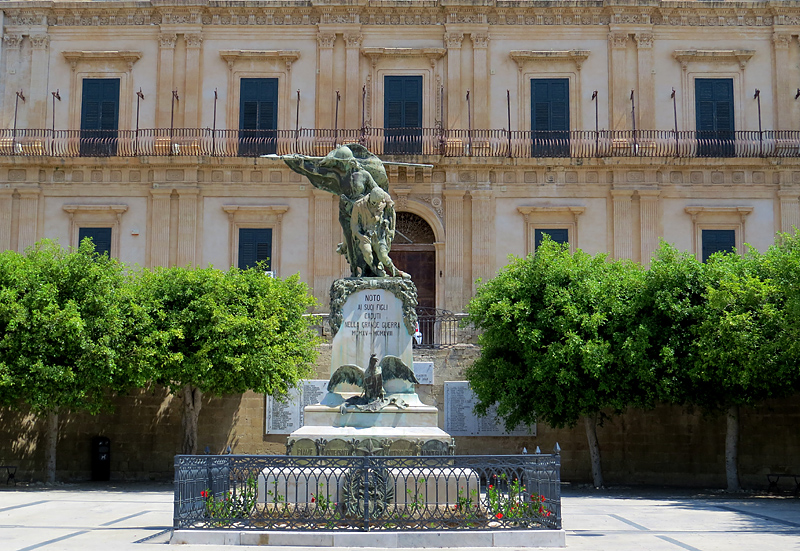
(101, 458)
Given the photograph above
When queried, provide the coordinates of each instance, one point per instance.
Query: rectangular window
(258, 116)
(715, 241)
(402, 116)
(550, 117)
(255, 245)
(714, 111)
(99, 117)
(559, 235)
(101, 237)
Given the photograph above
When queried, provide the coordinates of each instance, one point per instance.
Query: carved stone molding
(375, 54)
(286, 56)
(353, 40)
(684, 57)
(167, 40)
(644, 40)
(326, 40)
(13, 41)
(453, 40)
(480, 40)
(781, 40)
(40, 41)
(523, 56)
(194, 40)
(129, 57)
(618, 40)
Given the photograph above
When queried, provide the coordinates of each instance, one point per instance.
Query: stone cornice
(287, 56)
(523, 56)
(129, 57)
(775, 14)
(684, 57)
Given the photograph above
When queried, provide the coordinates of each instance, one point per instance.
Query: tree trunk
(192, 397)
(50, 442)
(594, 449)
(732, 450)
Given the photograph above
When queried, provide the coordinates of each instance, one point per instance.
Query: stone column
(482, 265)
(645, 108)
(455, 101)
(6, 204)
(37, 96)
(619, 90)
(480, 99)
(785, 75)
(165, 85)
(187, 225)
(353, 83)
(790, 210)
(28, 218)
(194, 92)
(326, 96)
(159, 227)
(623, 225)
(455, 249)
(12, 45)
(324, 244)
(650, 223)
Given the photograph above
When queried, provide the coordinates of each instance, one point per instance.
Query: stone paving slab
(115, 516)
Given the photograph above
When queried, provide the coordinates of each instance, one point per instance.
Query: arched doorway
(413, 252)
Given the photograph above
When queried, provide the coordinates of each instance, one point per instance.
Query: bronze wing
(348, 373)
(394, 368)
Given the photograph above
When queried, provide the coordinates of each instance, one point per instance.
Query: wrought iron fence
(368, 492)
(185, 142)
(437, 328)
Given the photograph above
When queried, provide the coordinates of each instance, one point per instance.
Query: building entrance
(413, 252)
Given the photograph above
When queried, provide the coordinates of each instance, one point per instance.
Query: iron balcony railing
(437, 328)
(264, 492)
(399, 141)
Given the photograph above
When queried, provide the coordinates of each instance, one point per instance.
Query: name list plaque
(460, 419)
(286, 417)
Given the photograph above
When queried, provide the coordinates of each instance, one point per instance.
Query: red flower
(203, 494)
(542, 498)
(499, 515)
(490, 486)
(313, 499)
(548, 514)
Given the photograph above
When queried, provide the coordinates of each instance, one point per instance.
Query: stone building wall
(665, 446)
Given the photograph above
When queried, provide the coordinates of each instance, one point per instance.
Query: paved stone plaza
(123, 517)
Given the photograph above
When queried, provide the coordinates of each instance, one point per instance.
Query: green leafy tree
(551, 344)
(65, 321)
(214, 332)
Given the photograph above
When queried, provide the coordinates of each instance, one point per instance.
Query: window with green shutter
(550, 117)
(714, 113)
(101, 237)
(255, 245)
(99, 117)
(258, 116)
(718, 241)
(402, 115)
(559, 235)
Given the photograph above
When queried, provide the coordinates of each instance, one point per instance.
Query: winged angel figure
(372, 381)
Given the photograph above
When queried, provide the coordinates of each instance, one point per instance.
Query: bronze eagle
(372, 378)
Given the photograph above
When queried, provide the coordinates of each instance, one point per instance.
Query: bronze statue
(371, 381)
(366, 210)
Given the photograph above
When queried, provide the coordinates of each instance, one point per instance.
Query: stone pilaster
(28, 218)
(785, 74)
(193, 95)
(166, 68)
(482, 224)
(353, 90)
(790, 210)
(38, 94)
(6, 204)
(324, 247)
(187, 226)
(645, 109)
(12, 47)
(619, 88)
(480, 98)
(650, 223)
(326, 96)
(623, 223)
(455, 251)
(159, 227)
(455, 98)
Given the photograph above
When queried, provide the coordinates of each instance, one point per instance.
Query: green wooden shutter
(258, 116)
(715, 241)
(714, 117)
(403, 112)
(101, 237)
(550, 117)
(255, 245)
(99, 116)
(559, 235)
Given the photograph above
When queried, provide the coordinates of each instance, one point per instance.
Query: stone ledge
(386, 539)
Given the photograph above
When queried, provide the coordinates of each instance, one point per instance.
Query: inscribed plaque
(460, 419)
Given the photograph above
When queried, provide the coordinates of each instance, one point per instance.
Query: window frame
(255, 217)
(96, 216)
(717, 218)
(550, 218)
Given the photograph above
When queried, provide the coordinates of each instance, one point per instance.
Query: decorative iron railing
(368, 492)
(437, 328)
(185, 142)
